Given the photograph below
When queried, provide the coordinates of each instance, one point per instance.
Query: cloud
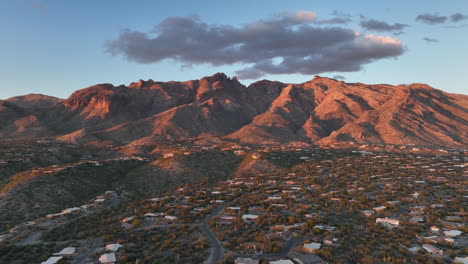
(339, 77)
(338, 18)
(431, 40)
(335, 20)
(431, 19)
(458, 17)
(286, 44)
(376, 25)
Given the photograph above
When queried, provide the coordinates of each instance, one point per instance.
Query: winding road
(216, 249)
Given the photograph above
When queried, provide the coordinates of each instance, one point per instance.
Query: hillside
(322, 111)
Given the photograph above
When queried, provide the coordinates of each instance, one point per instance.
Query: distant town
(292, 205)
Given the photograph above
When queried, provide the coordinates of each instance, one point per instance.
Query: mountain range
(322, 111)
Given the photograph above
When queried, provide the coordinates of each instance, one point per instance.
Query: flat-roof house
(452, 233)
(71, 210)
(461, 260)
(107, 258)
(66, 252)
(311, 247)
(281, 261)
(390, 221)
(432, 249)
(113, 247)
(246, 261)
(247, 217)
(379, 208)
(52, 260)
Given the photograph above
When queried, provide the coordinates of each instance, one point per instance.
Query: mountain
(321, 111)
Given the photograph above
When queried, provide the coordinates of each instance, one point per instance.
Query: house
(168, 155)
(66, 252)
(170, 217)
(325, 227)
(417, 219)
(305, 258)
(247, 217)
(71, 210)
(107, 258)
(311, 247)
(113, 247)
(379, 208)
(52, 260)
(281, 261)
(435, 229)
(246, 261)
(432, 249)
(127, 219)
(461, 260)
(390, 221)
(453, 233)
(154, 214)
(368, 212)
(99, 200)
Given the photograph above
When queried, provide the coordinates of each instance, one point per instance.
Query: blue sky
(57, 47)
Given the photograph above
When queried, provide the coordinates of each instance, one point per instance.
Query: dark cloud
(288, 43)
(339, 77)
(458, 17)
(376, 25)
(431, 19)
(431, 40)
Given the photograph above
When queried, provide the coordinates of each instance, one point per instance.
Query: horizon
(56, 48)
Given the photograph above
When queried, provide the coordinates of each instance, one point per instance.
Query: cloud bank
(289, 43)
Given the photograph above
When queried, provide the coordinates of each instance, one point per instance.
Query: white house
(461, 260)
(452, 233)
(247, 217)
(66, 252)
(246, 261)
(52, 260)
(389, 221)
(281, 261)
(71, 210)
(107, 258)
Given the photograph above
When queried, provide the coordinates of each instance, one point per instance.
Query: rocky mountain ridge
(322, 111)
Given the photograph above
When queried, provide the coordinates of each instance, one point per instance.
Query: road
(216, 249)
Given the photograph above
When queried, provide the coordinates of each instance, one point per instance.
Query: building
(107, 258)
(453, 233)
(379, 208)
(247, 217)
(66, 252)
(246, 261)
(432, 249)
(281, 261)
(52, 260)
(390, 221)
(311, 247)
(113, 247)
(461, 260)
